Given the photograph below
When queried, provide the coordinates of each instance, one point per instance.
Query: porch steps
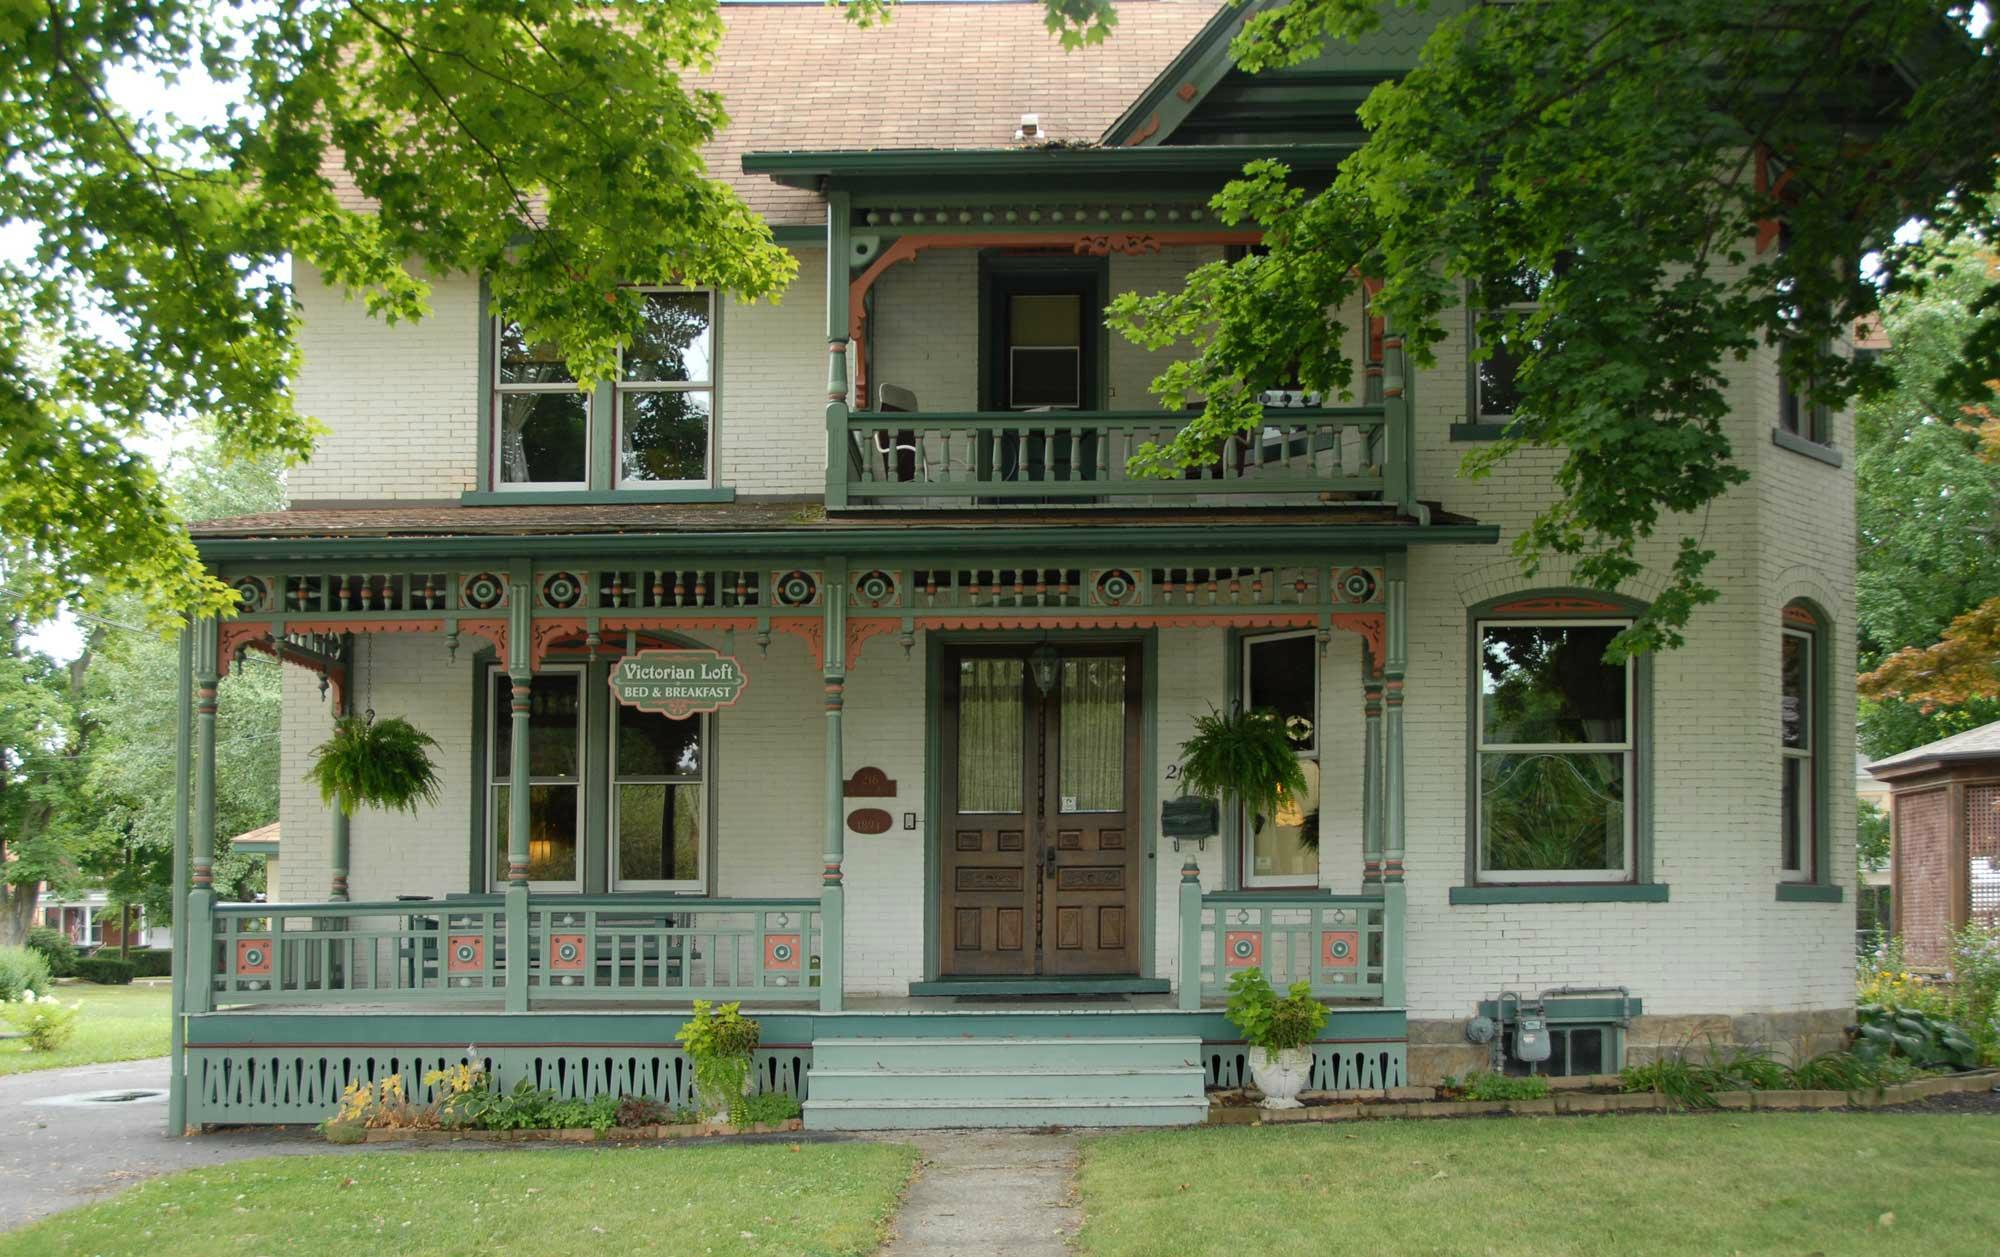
(914, 1083)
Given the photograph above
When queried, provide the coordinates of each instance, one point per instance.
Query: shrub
(56, 948)
(1269, 1022)
(1490, 1086)
(1975, 992)
(151, 962)
(643, 1111)
(46, 1024)
(22, 970)
(719, 1040)
(106, 970)
(767, 1109)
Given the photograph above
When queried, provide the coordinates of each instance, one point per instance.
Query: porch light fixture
(1043, 662)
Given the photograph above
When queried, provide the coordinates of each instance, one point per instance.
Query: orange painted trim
(1141, 619)
(1560, 605)
(1373, 628)
(1799, 617)
(809, 628)
(860, 630)
(1144, 133)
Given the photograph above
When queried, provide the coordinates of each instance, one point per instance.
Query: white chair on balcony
(899, 456)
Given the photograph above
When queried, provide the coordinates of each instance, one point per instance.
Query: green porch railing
(653, 947)
(996, 456)
(367, 952)
(1340, 945)
(663, 947)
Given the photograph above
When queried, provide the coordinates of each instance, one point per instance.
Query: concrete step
(935, 1114)
(949, 1085)
(1005, 1053)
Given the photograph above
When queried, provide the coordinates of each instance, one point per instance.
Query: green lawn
(119, 1023)
(1761, 1183)
(808, 1198)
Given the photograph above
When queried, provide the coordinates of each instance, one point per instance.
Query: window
(658, 798)
(1281, 674)
(1798, 745)
(1798, 415)
(1555, 749)
(1511, 301)
(651, 428)
(654, 822)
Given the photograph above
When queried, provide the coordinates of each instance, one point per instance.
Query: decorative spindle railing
(660, 947)
(1078, 455)
(365, 952)
(653, 947)
(1337, 944)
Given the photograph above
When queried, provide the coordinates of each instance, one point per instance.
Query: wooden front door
(1040, 841)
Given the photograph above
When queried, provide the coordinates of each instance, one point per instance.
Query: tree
(42, 741)
(1625, 159)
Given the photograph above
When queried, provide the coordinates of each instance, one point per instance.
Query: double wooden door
(1041, 848)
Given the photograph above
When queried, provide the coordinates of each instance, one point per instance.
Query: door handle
(1048, 861)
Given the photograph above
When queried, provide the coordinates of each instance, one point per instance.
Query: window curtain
(989, 735)
(1093, 735)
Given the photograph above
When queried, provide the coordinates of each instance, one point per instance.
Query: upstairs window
(1500, 327)
(1556, 747)
(1799, 750)
(653, 427)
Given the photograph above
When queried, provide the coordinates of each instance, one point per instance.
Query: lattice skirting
(1336, 1066)
(283, 1085)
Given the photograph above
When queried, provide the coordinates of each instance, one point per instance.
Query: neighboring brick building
(950, 555)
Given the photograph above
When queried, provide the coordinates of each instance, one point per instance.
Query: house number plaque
(679, 683)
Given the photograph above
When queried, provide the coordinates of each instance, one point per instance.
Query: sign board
(678, 683)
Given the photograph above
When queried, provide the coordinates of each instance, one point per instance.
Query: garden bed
(1577, 1096)
(576, 1134)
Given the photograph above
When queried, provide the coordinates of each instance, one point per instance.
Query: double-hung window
(1500, 329)
(555, 775)
(1798, 748)
(1556, 748)
(658, 801)
(1281, 675)
(652, 427)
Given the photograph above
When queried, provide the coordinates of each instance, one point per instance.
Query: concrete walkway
(984, 1193)
(56, 1154)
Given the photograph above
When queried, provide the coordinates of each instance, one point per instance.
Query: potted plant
(1278, 1032)
(383, 764)
(1246, 756)
(719, 1040)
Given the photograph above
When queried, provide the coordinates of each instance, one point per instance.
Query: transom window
(1281, 675)
(1798, 747)
(1555, 743)
(654, 780)
(651, 428)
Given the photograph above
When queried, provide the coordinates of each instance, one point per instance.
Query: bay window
(1555, 732)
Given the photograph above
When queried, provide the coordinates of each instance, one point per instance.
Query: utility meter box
(1531, 1038)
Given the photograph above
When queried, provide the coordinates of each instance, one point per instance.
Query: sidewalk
(986, 1193)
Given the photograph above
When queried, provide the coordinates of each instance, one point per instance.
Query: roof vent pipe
(1031, 127)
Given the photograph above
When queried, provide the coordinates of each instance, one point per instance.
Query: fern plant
(383, 764)
(1246, 756)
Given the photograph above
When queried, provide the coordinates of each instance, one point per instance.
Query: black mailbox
(1189, 816)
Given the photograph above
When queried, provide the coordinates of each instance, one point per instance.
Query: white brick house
(899, 502)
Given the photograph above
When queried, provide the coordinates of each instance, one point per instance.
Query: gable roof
(954, 74)
(1980, 743)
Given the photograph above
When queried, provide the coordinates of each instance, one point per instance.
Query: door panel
(1040, 874)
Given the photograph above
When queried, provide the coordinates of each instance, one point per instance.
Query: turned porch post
(832, 895)
(520, 672)
(183, 763)
(838, 346)
(337, 876)
(1371, 769)
(201, 861)
(1397, 632)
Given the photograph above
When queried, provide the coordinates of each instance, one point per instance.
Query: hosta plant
(1927, 1041)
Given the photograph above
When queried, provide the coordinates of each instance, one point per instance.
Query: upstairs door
(1041, 853)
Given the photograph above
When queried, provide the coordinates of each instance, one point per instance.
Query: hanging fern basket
(383, 764)
(1246, 756)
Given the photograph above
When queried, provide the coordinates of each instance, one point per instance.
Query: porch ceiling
(802, 527)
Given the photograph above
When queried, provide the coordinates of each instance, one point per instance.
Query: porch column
(1371, 769)
(337, 879)
(1396, 613)
(838, 252)
(1190, 954)
(183, 763)
(832, 895)
(520, 671)
(201, 861)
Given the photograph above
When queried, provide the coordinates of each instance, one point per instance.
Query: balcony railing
(1347, 453)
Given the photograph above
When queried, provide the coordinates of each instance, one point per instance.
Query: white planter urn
(1280, 1075)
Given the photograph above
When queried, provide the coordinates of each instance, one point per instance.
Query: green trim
(591, 497)
(810, 235)
(1149, 803)
(1040, 986)
(805, 169)
(1810, 892)
(265, 849)
(1819, 450)
(1563, 892)
(1203, 63)
(1642, 749)
(1480, 431)
(476, 875)
(1003, 275)
(993, 536)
